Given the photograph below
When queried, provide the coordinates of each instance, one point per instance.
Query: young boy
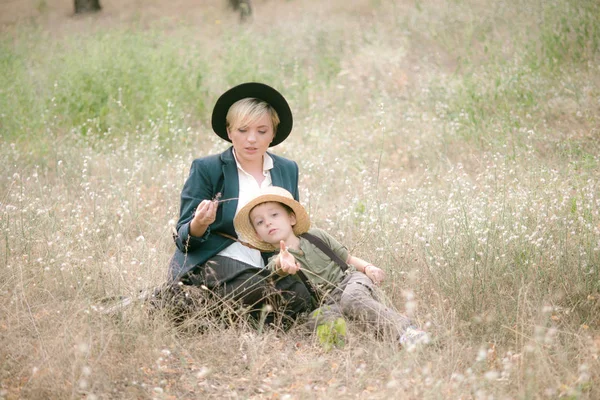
(275, 221)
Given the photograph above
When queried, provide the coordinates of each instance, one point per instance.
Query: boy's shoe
(413, 337)
(332, 334)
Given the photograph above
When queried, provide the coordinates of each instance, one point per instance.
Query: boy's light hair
(249, 110)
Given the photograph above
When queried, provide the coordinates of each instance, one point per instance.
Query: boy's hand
(287, 262)
(376, 274)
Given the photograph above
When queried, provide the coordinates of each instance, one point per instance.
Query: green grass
(108, 83)
(454, 144)
(506, 75)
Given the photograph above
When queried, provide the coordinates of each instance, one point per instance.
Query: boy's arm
(376, 274)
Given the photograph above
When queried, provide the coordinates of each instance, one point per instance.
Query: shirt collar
(267, 162)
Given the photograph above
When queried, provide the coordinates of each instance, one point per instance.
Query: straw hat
(258, 91)
(277, 194)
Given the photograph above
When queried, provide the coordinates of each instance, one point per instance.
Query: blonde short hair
(246, 111)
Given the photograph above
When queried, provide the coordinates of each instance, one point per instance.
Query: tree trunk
(244, 7)
(85, 6)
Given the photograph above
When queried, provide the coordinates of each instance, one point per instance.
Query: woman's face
(252, 141)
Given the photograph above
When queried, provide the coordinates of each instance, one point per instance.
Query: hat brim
(258, 91)
(244, 227)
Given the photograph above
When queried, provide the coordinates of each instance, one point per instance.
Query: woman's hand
(375, 274)
(286, 262)
(205, 214)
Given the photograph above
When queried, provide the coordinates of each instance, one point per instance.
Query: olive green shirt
(317, 266)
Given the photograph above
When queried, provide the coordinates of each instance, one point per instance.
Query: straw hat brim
(244, 227)
(258, 91)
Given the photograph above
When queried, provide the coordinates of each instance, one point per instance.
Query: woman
(253, 117)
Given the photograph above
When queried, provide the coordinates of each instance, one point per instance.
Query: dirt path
(58, 15)
(53, 14)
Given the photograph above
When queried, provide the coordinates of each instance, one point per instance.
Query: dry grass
(453, 144)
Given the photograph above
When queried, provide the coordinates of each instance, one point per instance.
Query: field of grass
(455, 144)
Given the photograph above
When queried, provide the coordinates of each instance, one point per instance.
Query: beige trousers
(358, 299)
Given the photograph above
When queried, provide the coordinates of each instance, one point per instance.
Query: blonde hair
(246, 111)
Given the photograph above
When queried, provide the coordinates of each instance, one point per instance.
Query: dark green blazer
(209, 176)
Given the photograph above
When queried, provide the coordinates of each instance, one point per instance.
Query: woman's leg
(232, 279)
(294, 296)
(251, 287)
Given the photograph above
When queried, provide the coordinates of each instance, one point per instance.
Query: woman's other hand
(205, 214)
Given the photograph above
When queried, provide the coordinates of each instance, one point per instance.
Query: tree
(244, 7)
(85, 6)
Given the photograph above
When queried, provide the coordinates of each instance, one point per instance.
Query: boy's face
(272, 222)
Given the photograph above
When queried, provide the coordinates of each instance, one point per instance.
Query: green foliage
(19, 110)
(489, 105)
(113, 82)
(41, 6)
(328, 50)
(241, 61)
(332, 334)
(569, 32)
(497, 90)
(123, 81)
(281, 60)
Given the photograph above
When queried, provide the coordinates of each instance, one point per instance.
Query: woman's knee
(248, 290)
(294, 292)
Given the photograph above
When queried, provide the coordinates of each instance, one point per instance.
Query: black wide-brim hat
(258, 91)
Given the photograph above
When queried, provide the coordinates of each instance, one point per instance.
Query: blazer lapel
(231, 186)
(276, 178)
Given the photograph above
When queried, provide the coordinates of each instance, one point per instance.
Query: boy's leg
(359, 302)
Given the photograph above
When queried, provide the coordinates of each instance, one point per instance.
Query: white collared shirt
(249, 188)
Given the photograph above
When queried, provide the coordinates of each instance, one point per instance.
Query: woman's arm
(197, 211)
(197, 187)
